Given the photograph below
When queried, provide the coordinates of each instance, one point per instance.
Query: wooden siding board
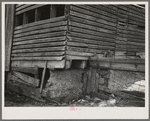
(87, 50)
(38, 58)
(39, 27)
(40, 64)
(43, 40)
(10, 9)
(23, 7)
(81, 10)
(54, 34)
(89, 41)
(61, 18)
(80, 25)
(38, 54)
(40, 45)
(40, 49)
(29, 8)
(92, 23)
(95, 8)
(88, 17)
(81, 35)
(19, 5)
(41, 31)
(78, 53)
(90, 32)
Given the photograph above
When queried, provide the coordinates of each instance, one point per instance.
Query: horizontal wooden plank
(23, 88)
(54, 34)
(95, 8)
(92, 23)
(121, 46)
(122, 67)
(29, 8)
(120, 11)
(136, 18)
(119, 93)
(120, 53)
(136, 29)
(131, 36)
(129, 40)
(40, 27)
(69, 57)
(135, 50)
(131, 32)
(62, 18)
(88, 17)
(23, 7)
(89, 41)
(135, 46)
(132, 57)
(108, 8)
(127, 9)
(32, 70)
(136, 23)
(130, 53)
(124, 20)
(91, 32)
(40, 54)
(39, 49)
(128, 61)
(136, 8)
(121, 43)
(81, 35)
(122, 15)
(140, 13)
(78, 53)
(96, 15)
(19, 5)
(131, 15)
(128, 68)
(27, 79)
(131, 28)
(75, 44)
(49, 30)
(40, 45)
(91, 27)
(44, 40)
(40, 64)
(136, 40)
(87, 50)
(38, 58)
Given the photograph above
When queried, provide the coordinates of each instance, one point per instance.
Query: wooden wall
(130, 37)
(40, 40)
(99, 29)
(84, 31)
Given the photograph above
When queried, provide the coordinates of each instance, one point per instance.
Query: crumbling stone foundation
(66, 85)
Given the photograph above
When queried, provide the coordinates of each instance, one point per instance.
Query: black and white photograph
(75, 56)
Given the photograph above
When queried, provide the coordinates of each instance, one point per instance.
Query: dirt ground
(13, 99)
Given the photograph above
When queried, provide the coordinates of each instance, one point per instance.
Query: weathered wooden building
(110, 37)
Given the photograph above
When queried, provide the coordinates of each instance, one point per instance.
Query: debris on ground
(14, 99)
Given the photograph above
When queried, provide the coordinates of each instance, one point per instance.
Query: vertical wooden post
(25, 18)
(37, 72)
(43, 75)
(37, 14)
(9, 29)
(53, 11)
(68, 64)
